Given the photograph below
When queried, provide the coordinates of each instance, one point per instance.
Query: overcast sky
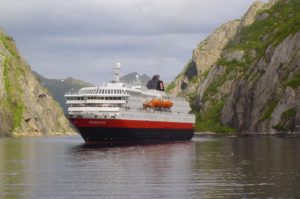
(85, 38)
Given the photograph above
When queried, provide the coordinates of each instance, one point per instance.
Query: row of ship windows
(94, 105)
(139, 116)
(96, 98)
(131, 99)
(150, 117)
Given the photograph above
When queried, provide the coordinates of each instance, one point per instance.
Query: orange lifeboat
(167, 104)
(156, 102)
(153, 103)
(159, 103)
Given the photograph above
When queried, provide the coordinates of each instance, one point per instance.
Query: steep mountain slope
(58, 87)
(253, 84)
(26, 107)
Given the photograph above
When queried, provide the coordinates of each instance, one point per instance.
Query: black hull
(123, 135)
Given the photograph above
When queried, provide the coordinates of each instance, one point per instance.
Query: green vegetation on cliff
(271, 27)
(211, 120)
(295, 82)
(232, 68)
(9, 44)
(286, 121)
(269, 110)
(170, 86)
(11, 82)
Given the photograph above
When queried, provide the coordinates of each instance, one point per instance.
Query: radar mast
(117, 73)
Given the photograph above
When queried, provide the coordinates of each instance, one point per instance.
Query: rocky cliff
(247, 79)
(26, 107)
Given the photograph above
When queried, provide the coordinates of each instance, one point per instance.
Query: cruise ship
(130, 113)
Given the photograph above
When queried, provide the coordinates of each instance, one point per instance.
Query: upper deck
(117, 96)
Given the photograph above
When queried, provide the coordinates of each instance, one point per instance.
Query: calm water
(62, 167)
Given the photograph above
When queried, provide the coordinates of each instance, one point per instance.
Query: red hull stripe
(116, 123)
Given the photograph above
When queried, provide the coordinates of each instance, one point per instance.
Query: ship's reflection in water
(63, 167)
(137, 171)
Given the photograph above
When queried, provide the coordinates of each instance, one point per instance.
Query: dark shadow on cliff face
(191, 70)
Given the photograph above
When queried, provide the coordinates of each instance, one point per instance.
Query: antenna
(117, 73)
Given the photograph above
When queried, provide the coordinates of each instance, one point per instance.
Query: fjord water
(227, 167)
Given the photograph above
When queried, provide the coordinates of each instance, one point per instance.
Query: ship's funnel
(156, 84)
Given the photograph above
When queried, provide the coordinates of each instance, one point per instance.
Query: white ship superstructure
(99, 111)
